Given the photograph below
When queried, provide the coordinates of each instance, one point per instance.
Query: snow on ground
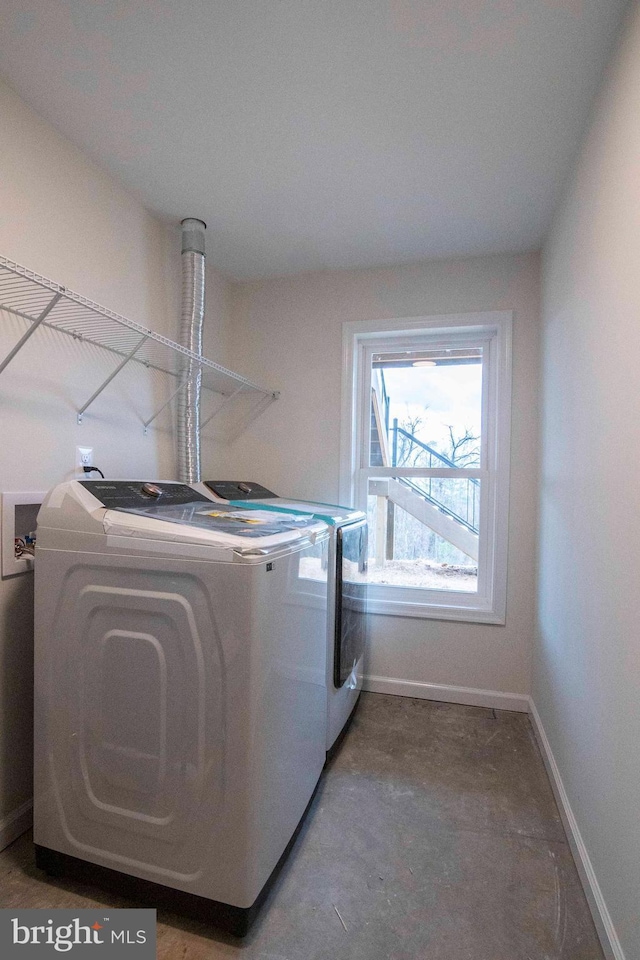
(405, 573)
(425, 573)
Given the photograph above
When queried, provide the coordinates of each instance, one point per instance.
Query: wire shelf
(45, 303)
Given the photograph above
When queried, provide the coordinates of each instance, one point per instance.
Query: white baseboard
(437, 691)
(21, 819)
(16, 823)
(523, 704)
(601, 917)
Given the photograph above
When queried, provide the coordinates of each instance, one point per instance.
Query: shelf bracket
(167, 402)
(220, 406)
(262, 404)
(30, 332)
(110, 378)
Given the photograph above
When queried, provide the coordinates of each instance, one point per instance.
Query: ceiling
(323, 134)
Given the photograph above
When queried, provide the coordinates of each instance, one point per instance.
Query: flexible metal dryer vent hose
(191, 322)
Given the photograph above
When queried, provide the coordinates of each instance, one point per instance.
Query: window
(425, 452)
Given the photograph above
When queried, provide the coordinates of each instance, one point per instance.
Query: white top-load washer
(347, 621)
(180, 700)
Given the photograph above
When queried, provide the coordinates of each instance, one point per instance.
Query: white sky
(451, 394)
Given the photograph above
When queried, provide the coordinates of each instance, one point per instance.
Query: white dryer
(347, 621)
(180, 702)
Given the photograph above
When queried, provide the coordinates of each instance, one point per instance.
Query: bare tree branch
(460, 450)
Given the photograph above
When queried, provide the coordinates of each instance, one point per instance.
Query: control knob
(152, 489)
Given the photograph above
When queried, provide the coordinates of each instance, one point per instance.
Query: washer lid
(205, 522)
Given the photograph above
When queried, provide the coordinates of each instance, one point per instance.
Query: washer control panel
(239, 490)
(115, 494)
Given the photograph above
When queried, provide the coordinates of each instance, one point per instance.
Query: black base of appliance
(234, 920)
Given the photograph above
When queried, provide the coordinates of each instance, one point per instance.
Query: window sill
(478, 613)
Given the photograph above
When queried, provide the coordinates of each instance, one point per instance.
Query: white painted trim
(601, 916)
(16, 823)
(441, 606)
(449, 694)
(359, 339)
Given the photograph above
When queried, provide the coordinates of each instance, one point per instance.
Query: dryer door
(351, 599)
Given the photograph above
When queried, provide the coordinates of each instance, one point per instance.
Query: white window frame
(492, 330)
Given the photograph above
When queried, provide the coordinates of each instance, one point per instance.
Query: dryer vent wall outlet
(19, 512)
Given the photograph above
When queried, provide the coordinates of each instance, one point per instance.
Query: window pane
(424, 533)
(426, 408)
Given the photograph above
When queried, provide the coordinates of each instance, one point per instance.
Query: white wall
(287, 333)
(587, 658)
(65, 219)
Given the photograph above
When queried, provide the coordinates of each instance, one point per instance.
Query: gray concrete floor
(434, 835)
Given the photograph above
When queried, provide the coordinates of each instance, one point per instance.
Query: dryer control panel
(239, 490)
(119, 494)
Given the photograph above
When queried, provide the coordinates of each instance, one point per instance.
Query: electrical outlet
(84, 458)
